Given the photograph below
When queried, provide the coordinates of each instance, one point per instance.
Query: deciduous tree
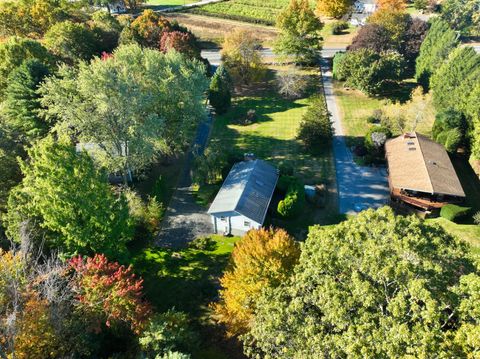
(72, 42)
(67, 197)
(262, 259)
(183, 42)
(148, 28)
(299, 32)
(395, 5)
(333, 8)
(377, 285)
(369, 71)
(108, 293)
(145, 104)
(396, 22)
(241, 56)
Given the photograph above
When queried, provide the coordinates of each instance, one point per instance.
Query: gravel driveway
(184, 219)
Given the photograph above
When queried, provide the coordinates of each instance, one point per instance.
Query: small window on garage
(246, 223)
(223, 219)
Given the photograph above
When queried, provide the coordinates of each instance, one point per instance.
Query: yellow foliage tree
(333, 8)
(36, 337)
(395, 5)
(394, 21)
(241, 56)
(262, 259)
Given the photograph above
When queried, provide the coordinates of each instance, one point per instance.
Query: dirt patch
(214, 29)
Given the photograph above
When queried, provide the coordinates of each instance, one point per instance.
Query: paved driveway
(184, 219)
(359, 187)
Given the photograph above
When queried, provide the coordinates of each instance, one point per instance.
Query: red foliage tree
(183, 42)
(109, 292)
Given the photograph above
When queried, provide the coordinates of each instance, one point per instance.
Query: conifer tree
(438, 43)
(220, 96)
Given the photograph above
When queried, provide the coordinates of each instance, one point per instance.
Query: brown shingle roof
(417, 163)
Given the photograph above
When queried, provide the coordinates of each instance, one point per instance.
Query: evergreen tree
(299, 32)
(438, 43)
(455, 79)
(15, 50)
(220, 96)
(22, 102)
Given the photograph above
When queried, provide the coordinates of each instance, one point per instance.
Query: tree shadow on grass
(399, 92)
(263, 107)
(186, 280)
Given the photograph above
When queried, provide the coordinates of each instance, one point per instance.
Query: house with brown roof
(420, 173)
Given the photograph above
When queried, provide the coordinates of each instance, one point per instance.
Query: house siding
(233, 223)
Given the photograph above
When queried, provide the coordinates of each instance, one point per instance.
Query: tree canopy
(299, 32)
(145, 103)
(241, 56)
(21, 108)
(369, 71)
(16, 50)
(69, 201)
(262, 259)
(377, 285)
(333, 8)
(438, 43)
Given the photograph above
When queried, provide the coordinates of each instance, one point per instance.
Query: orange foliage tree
(262, 259)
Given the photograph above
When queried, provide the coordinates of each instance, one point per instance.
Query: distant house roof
(247, 190)
(417, 163)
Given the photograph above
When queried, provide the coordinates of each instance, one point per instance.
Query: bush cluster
(453, 213)
(294, 200)
(338, 27)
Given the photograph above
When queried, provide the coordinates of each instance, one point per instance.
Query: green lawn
(184, 279)
(470, 233)
(355, 107)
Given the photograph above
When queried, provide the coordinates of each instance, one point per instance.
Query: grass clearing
(354, 108)
(470, 233)
(187, 280)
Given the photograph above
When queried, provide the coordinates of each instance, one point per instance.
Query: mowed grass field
(273, 135)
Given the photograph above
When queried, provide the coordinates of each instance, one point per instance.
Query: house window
(223, 219)
(246, 223)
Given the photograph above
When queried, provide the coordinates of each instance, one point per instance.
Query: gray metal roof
(247, 190)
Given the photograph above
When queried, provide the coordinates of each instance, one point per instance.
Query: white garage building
(242, 202)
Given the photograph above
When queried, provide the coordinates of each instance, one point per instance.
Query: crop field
(254, 11)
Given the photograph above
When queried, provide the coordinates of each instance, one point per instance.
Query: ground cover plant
(255, 11)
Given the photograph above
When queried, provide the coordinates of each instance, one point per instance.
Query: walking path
(359, 187)
(184, 219)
